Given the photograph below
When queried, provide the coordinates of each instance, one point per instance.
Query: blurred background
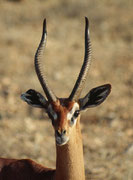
(26, 132)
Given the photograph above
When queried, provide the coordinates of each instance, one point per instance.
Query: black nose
(60, 133)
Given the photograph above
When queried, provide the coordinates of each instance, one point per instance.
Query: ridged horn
(38, 67)
(85, 67)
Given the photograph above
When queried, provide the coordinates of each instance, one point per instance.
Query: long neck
(69, 162)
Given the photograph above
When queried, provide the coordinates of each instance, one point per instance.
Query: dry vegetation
(108, 129)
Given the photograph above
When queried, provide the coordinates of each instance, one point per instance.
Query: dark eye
(76, 114)
(72, 120)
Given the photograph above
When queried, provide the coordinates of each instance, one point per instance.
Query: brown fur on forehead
(62, 103)
(62, 107)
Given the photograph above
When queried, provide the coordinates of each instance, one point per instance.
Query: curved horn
(38, 57)
(85, 67)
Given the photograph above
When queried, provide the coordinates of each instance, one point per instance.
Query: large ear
(95, 97)
(34, 99)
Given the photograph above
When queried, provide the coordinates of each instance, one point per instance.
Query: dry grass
(108, 129)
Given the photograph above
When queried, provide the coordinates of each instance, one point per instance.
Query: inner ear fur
(95, 96)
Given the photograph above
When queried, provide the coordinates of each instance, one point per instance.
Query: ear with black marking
(34, 99)
(95, 97)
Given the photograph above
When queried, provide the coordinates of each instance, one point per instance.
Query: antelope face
(64, 115)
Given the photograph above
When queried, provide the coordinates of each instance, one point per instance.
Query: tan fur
(69, 162)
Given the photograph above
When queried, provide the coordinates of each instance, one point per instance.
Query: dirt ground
(26, 132)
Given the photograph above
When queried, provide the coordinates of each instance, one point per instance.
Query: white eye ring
(72, 121)
(73, 110)
(74, 117)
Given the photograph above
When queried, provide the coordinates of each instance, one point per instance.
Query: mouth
(60, 141)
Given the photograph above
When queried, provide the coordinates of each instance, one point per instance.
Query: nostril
(58, 133)
(63, 132)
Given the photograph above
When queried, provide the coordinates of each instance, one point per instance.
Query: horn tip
(44, 21)
(87, 27)
(86, 22)
(44, 25)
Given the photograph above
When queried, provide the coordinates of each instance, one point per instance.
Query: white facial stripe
(70, 114)
(52, 112)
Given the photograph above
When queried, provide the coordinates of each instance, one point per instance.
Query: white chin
(62, 143)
